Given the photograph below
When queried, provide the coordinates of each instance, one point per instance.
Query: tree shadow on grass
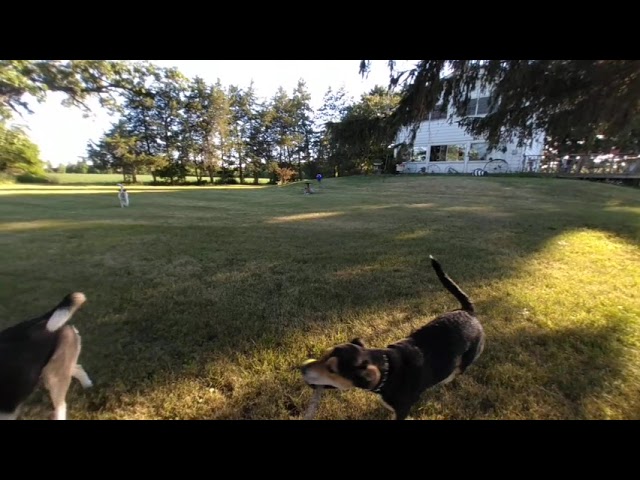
(526, 374)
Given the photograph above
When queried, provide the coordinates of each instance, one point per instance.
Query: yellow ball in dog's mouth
(307, 362)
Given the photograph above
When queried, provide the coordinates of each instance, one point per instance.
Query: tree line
(172, 127)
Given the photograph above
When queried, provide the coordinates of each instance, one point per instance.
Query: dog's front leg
(81, 375)
(400, 410)
(9, 416)
(389, 407)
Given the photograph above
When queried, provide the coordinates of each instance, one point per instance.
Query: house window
(483, 106)
(455, 153)
(478, 106)
(419, 155)
(438, 114)
(447, 153)
(472, 107)
(478, 151)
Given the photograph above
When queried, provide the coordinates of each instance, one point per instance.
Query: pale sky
(62, 133)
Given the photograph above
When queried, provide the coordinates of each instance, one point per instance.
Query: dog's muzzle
(306, 364)
(304, 368)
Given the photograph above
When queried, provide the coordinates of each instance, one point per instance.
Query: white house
(442, 146)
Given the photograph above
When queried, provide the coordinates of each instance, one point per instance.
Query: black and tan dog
(43, 349)
(435, 354)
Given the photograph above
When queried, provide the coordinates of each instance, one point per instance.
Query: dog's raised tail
(65, 310)
(456, 291)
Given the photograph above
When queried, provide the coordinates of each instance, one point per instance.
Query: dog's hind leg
(58, 372)
(472, 354)
(80, 374)
(60, 408)
(57, 383)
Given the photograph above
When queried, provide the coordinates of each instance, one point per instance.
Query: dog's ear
(357, 341)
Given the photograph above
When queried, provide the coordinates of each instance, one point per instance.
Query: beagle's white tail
(65, 310)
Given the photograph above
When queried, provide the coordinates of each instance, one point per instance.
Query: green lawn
(201, 301)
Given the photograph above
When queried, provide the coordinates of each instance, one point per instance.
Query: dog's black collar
(384, 371)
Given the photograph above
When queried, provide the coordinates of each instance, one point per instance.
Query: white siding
(536, 147)
(444, 132)
(441, 132)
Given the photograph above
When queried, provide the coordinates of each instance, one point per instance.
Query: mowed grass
(202, 302)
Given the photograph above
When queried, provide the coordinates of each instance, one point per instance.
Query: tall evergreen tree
(302, 128)
(333, 109)
(242, 105)
(364, 132)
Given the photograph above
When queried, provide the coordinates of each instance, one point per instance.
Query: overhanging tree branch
(562, 98)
